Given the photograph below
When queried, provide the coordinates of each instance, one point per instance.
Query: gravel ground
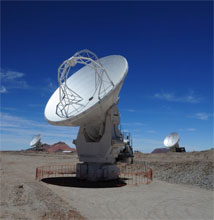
(22, 197)
(195, 168)
(196, 173)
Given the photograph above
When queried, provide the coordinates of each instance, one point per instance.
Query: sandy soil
(22, 197)
(158, 200)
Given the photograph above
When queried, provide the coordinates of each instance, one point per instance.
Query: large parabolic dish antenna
(171, 140)
(88, 97)
(88, 93)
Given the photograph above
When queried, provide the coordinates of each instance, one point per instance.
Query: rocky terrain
(195, 168)
(24, 197)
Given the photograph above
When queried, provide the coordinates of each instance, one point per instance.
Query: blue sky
(169, 48)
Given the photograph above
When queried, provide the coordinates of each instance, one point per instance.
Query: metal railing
(135, 174)
(131, 174)
(55, 171)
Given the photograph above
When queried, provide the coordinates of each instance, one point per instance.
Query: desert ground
(182, 189)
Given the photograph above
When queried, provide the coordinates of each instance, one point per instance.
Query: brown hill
(58, 147)
(160, 150)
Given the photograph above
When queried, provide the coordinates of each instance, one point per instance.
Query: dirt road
(24, 198)
(158, 200)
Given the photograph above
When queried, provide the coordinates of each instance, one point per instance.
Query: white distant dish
(171, 140)
(35, 140)
(88, 104)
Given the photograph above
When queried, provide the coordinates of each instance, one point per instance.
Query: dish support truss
(69, 101)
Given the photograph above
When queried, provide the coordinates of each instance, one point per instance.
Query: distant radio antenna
(36, 142)
(171, 141)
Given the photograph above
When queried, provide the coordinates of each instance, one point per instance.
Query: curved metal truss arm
(71, 102)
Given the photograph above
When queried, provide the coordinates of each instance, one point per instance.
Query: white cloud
(171, 97)
(130, 110)
(3, 89)
(125, 130)
(191, 129)
(187, 129)
(35, 105)
(138, 123)
(132, 124)
(50, 85)
(8, 109)
(151, 131)
(12, 80)
(164, 96)
(201, 116)
(18, 130)
(11, 75)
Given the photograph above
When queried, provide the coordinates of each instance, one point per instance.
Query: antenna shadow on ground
(74, 182)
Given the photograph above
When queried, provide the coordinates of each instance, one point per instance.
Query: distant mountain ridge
(160, 150)
(57, 147)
